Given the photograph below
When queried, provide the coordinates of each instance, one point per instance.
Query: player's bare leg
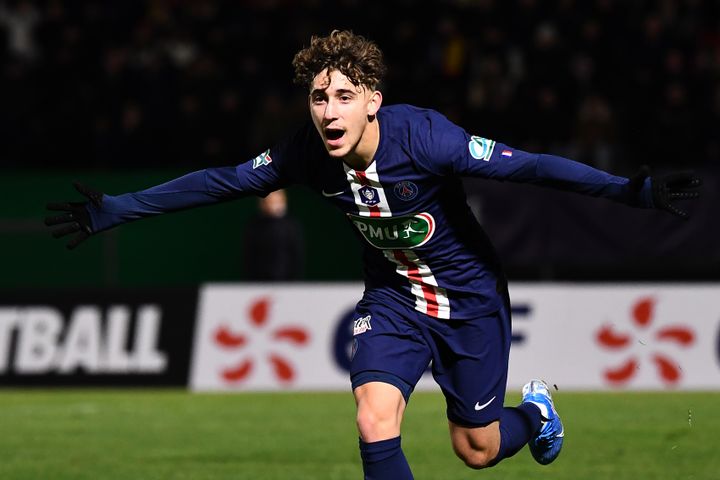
(380, 408)
(476, 446)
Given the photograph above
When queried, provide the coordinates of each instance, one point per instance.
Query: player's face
(343, 113)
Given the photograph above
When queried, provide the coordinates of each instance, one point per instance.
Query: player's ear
(374, 103)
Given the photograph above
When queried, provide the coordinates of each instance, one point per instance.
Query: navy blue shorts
(469, 357)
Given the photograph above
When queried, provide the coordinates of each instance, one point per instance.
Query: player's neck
(364, 153)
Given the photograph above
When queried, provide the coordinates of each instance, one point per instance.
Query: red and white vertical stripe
(429, 298)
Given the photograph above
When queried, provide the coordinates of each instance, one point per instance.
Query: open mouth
(334, 134)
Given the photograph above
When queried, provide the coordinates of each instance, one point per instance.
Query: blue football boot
(548, 440)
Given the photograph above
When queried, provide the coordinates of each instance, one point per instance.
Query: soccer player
(434, 288)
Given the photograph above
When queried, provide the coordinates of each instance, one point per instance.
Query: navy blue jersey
(422, 245)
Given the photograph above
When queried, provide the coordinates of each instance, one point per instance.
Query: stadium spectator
(273, 243)
(20, 23)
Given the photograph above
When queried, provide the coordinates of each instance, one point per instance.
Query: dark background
(124, 95)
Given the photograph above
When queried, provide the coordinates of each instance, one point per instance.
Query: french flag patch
(506, 153)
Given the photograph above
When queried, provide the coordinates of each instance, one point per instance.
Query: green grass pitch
(141, 434)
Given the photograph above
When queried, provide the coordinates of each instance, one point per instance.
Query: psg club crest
(369, 196)
(405, 190)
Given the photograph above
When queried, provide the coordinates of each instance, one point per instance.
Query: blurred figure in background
(273, 247)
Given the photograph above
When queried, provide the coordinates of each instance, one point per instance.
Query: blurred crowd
(194, 83)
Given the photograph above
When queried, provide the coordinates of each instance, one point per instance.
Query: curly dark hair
(359, 59)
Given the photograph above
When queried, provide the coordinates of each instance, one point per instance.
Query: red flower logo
(642, 316)
(258, 317)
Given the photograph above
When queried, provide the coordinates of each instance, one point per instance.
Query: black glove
(76, 217)
(668, 188)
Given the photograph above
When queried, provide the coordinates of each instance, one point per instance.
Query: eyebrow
(339, 91)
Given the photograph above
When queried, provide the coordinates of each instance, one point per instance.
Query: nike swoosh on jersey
(325, 194)
(479, 407)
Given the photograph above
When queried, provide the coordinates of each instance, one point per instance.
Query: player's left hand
(76, 217)
(669, 188)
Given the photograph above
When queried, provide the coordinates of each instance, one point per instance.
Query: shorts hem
(361, 378)
(470, 424)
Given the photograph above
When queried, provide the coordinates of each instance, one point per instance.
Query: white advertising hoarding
(617, 337)
(626, 337)
(268, 337)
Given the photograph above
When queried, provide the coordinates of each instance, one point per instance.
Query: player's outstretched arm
(444, 148)
(101, 212)
(641, 190)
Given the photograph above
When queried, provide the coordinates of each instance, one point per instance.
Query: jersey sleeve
(273, 169)
(447, 149)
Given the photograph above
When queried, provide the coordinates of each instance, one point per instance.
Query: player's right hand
(75, 216)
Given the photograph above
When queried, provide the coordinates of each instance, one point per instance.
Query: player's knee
(478, 447)
(377, 424)
(476, 459)
(477, 456)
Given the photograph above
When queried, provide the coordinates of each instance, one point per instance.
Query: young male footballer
(434, 288)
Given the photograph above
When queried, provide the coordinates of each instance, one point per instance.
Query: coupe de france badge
(262, 159)
(369, 196)
(481, 148)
